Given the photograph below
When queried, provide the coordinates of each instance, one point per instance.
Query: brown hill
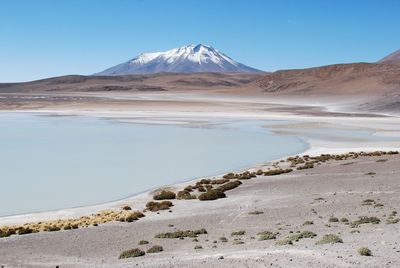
(338, 79)
(151, 82)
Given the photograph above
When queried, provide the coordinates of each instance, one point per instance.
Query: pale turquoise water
(49, 163)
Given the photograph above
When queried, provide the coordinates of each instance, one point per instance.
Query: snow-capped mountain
(186, 59)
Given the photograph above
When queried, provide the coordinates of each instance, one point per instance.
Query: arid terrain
(276, 221)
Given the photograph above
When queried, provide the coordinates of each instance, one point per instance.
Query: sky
(46, 38)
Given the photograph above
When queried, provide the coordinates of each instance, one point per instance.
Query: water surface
(50, 163)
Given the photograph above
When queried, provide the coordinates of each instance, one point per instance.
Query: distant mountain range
(186, 59)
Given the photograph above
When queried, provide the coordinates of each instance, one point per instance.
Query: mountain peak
(185, 59)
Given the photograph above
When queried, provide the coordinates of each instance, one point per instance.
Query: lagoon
(53, 162)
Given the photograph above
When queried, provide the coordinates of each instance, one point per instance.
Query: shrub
(364, 251)
(181, 234)
(284, 242)
(126, 207)
(344, 220)
(132, 253)
(155, 249)
(229, 176)
(333, 219)
(267, 235)
(219, 181)
(198, 247)
(308, 223)
(185, 195)
(256, 212)
(143, 242)
(241, 232)
(306, 166)
(229, 185)
(156, 206)
(329, 239)
(223, 239)
(275, 172)
(24, 230)
(365, 220)
(211, 195)
(304, 234)
(201, 188)
(164, 195)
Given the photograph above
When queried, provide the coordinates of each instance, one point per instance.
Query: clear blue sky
(42, 38)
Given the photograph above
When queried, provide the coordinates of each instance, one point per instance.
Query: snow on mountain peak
(186, 59)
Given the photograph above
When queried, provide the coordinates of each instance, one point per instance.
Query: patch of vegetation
(355, 231)
(181, 234)
(267, 235)
(370, 173)
(256, 212)
(304, 234)
(329, 239)
(241, 232)
(365, 220)
(284, 242)
(143, 242)
(306, 166)
(392, 220)
(155, 249)
(126, 207)
(198, 247)
(368, 202)
(211, 195)
(381, 160)
(229, 186)
(156, 206)
(344, 220)
(223, 239)
(319, 199)
(132, 253)
(184, 194)
(333, 219)
(238, 242)
(364, 251)
(164, 194)
(308, 223)
(275, 172)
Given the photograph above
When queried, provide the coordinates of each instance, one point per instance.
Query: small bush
(284, 242)
(211, 195)
(329, 239)
(132, 253)
(229, 185)
(181, 234)
(256, 212)
(156, 206)
(143, 242)
(267, 235)
(163, 195)
(198, 247)
(308, 223)
(241, 232)
(344, 220)
(275, 172)
(185, 195)
(333, 219)
(223, 239)
(365, 220)
(364, 251)
(155, 249)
